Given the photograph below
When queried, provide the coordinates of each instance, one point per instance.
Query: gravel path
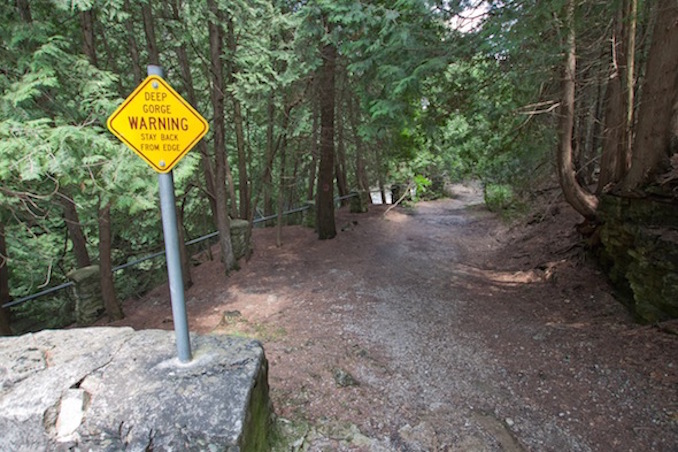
(438, 328)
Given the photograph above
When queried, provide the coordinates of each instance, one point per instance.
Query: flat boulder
(120, 389)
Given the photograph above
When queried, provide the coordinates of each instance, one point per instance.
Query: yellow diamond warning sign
(158, 124)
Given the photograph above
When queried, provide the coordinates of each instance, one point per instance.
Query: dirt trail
(438, 328)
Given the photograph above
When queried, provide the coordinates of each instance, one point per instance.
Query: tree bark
(613, 162)
(656, 130)
(325, 192)
(380, 173)
(631, 31)
(267, 179)
(149, 29)
(217, 95)
(183, 251)
(243, 180)
(361, 172)
(582, 201)
(24, 8)
(281, 191)
(132, 44)
(75, 233)
(88, 42)
(313, 166)
(5, 329)
(113, 309)
(340, 160)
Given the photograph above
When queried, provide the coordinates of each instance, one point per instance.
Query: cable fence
(155, 255)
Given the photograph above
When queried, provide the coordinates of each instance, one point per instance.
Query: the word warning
(157, 124)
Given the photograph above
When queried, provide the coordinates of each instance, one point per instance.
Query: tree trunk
(631, 31)
(582, 201)
(149, 29)
(361, 172)
(243, 180)
(267, 179)
(88, 44)
(184, 256)
(113, 309)
(5, 329)
(24, 8)
(217, 95)
(281, 191)
(313, 166)
(186, 75)
(380, 173)
(340, 160)
(75, 233)
(656, 130)
(132, 44)
(613, 163)
(325, 197)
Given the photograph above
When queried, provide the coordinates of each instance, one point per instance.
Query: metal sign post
(176, 280)
(161, 127)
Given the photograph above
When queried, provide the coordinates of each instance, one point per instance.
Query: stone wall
(640, 251)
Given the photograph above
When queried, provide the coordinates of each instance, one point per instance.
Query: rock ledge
(120, 389)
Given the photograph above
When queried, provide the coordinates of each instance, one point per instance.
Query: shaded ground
(439, 328)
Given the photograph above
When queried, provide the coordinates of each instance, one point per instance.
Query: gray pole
(176, 281)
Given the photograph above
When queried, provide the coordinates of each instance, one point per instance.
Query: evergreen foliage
(419, 99)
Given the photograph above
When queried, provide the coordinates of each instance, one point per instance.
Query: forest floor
(440, 327)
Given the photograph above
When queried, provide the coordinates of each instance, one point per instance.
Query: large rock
(117, 389)
(640, 252)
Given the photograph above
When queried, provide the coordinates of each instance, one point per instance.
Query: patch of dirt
(438, 327)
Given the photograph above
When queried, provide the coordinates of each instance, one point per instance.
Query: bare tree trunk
(183, 251)
(340, 158)
(88, 44)
(217, 94)
(380, 173)
(631, 27)
(75, 233)
(582, 201)
(361, 172)
(149, 29)
(243, 180)
(313, 166)
(281, 191)
(325, 197)
(656, 130)
(267, 179)
(5, 329)
(113, 309)
(613, 159)
(132, 44)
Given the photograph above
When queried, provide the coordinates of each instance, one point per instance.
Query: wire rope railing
(155, 255)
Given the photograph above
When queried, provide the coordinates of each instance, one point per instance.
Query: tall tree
(149, 29)
(111, 304)
(325, 192)
(221, 162)
(113, 309)
(243, 180)
(72, 220)
(585, 203)
(657, 130)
